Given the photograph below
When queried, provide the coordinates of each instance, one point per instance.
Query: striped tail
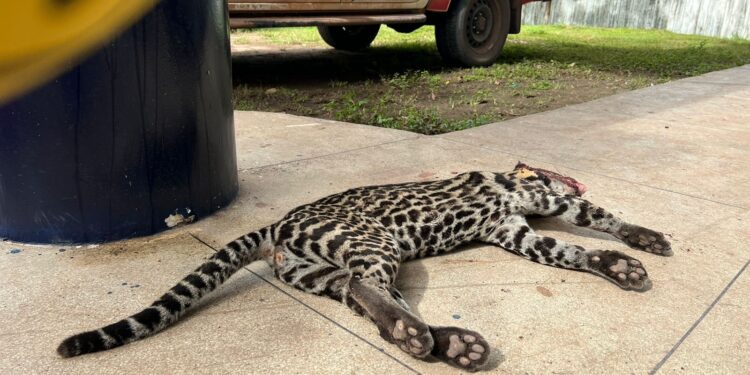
(168, 309)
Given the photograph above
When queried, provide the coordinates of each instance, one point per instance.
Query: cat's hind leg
(371, 293)
(364, 288)
(461, 347)
(396, 325)
(399, 298)
(451, 343)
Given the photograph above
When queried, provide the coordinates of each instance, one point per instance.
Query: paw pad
(410, 340)
(645, 239)
(462, 348)
(626, 272)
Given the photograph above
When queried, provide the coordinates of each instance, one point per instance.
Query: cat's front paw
(645, 239)
(627, 272)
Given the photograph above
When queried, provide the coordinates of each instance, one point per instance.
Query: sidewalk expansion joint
(331, 154)
(379, 349)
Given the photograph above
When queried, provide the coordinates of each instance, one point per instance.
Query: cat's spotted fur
(349, 247)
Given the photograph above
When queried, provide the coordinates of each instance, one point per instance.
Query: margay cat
(349, 246)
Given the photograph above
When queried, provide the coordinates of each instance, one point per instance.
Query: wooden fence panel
(723, 18)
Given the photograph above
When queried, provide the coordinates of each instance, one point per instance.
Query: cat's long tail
(168, 309)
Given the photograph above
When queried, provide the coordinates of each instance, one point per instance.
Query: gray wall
(724, 18)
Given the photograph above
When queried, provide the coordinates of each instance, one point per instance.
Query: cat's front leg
(513, 233)
(583, 213)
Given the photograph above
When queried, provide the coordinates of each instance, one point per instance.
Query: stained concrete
(670, 157)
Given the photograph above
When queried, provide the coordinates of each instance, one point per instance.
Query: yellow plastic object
(40, 38)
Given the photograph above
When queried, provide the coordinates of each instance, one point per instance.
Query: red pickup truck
(467, 32)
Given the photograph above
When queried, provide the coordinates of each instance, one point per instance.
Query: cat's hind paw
(414, 339)
(460, 347)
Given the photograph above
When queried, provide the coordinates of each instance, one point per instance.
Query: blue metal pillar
(139, 130)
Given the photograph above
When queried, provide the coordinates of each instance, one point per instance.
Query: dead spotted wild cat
(349, 247)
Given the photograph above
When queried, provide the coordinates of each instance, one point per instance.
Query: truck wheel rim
(480, 23)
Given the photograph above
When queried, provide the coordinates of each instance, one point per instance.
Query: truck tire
(473, 32)
(349, 38)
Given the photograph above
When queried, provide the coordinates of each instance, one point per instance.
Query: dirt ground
(405, 85)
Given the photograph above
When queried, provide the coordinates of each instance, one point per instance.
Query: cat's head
(555, 181)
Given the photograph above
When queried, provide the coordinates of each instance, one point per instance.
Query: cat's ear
(524, 171)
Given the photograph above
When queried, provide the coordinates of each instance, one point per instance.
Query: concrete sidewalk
(674, 157)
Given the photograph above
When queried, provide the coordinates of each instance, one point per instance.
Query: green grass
(652, 52)
(423, 37)
(290, 35)
(401, 83)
